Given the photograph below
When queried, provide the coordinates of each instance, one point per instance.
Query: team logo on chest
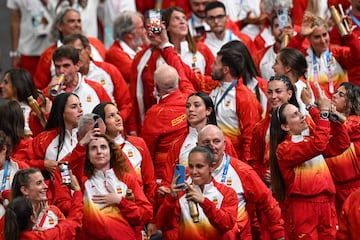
(88, 99)
(228, 182)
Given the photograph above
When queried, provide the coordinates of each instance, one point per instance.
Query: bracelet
(13, 54)
(309, 106)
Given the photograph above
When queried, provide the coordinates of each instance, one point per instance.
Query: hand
(50, 166)
(15, 62)
(267, 177)
(107, 199)
(48, 105)
(307, 93)
(193, 195)
(162, 190)
(323, 101)
(151, 229)
(306, 25)
(158, 39)
(175, 188)
(55, 81)
(92, 134)
(255, 20)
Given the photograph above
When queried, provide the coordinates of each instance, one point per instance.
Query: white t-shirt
(237, 10)
(35, 25)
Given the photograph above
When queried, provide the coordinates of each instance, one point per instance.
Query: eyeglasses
(213, 18)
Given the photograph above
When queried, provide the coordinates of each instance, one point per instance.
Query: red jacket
(162, 124)
(143, 6)
(304, 172)
(349, 219)
(247, 106)
(185, 86)
(209, 57)
(259, 198)
(120, 59)
(335, 38)
(119, 220)
(216, 221)
(121, 93)
(43, 75)
(147, 173)
(37, 150)
(174, 152)
(65, 229)
(345, 56)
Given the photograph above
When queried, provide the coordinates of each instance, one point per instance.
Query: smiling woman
(33, 218)
(300, 176)
(217, 203)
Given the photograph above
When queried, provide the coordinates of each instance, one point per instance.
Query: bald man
(166, 80)
(251, 191)
(165, 120)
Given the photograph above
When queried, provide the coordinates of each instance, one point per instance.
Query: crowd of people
(192, 119)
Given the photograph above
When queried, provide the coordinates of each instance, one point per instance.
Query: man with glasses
(221, 29)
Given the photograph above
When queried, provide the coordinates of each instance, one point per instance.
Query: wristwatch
(324, 114)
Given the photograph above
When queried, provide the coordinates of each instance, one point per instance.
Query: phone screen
(181, 172)
(155, 20)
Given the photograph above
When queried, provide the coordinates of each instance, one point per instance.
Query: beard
(217, 76)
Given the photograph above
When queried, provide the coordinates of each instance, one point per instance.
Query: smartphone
(95, 118)
(65, 173)
(283, 17)
(200, 30)
(180, 171)
(155, 20)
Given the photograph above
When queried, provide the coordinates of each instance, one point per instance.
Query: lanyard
(328, 65)
(225, 93)
(355, 20)
(230, 35)
(3, 183)
(226, 168)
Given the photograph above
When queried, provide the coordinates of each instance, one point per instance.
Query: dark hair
(352, 98)
(21, 178)
(22, 83)
(234, 60)
(56, 119)
(5, 142)
(209, 104)
(66, 51)
(117, 160)
(166, 16)
(73, 37)
(289, 86)
(100, 109)
(206, 151)
(215, 4)
(12, 121)
(249, 69)
(277, 136)
(293, 58)
(17, 217)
